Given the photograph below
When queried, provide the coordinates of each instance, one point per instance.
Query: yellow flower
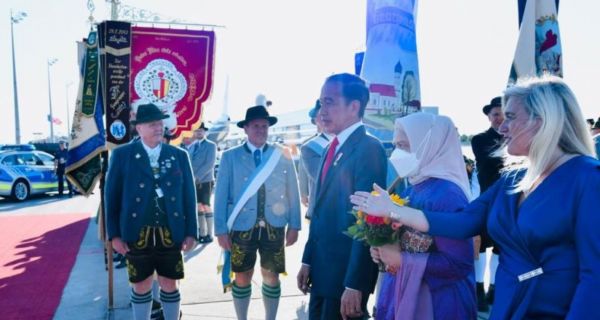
(399, 201)
(359, 222)
(360, 215)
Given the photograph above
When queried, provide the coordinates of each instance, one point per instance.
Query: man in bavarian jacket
(150, 204)
(256, 197)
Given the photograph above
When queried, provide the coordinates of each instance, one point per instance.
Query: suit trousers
(323, 308)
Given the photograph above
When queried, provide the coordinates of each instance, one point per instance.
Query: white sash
(259, 176)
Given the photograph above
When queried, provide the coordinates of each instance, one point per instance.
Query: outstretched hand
(379, 204)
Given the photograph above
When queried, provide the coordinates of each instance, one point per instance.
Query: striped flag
(538, 48)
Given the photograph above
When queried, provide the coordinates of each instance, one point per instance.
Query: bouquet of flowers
(376, 231)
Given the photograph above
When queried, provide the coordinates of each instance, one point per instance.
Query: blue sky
(284, 49)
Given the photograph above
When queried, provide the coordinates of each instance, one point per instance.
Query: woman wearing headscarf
(428, 278)
(544, 217)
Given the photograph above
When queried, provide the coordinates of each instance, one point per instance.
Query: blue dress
(449, 272)
(550, 245)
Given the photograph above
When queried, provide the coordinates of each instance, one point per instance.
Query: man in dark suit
(311, 154)
(336, 269)
(488, 165)
(60, 163)
(150, 205)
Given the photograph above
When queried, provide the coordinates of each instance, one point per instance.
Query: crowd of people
(534, 211)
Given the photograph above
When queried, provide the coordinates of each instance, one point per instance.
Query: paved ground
(86, 293)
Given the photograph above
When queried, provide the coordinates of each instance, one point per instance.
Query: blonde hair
(563, 126)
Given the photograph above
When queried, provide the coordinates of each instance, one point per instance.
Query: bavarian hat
(257, 112)
(597, 124)
(202, 126)
(496, 102)
(148, 113)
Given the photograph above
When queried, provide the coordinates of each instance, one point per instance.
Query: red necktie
(329, 158)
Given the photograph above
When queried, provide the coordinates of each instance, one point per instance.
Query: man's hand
(188, 244)
(120, 246)
(224, 242)
(351, 304)
(303, 279)
(291, 237)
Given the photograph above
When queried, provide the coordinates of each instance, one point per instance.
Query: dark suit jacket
(488, 167)
(130, 188)
(336, 260)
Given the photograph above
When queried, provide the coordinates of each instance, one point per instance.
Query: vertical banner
(87, 134)
(390, 65)
(115, 53)
(538, 48)
(173, 69)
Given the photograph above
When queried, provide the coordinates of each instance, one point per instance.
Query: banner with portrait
(173, 69)
(390, 65)
(538, 49)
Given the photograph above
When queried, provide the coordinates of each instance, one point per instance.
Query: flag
(390, 65)
(173, 69)
(86, 140)
(538, 48)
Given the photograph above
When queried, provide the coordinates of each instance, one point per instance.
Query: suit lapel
(340, 158)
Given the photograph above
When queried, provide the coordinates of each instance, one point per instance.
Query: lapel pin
(172, 158)
(339, 156)
(137, 156)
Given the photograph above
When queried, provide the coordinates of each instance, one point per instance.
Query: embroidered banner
(173, 69)
(538, 48)
(390, 65)
(87, 133)
(115, 53)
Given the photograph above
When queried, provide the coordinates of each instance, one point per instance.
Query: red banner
(173, 69)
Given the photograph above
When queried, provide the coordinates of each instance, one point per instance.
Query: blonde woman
(544, 217)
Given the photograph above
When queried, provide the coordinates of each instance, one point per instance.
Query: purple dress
(445, 275)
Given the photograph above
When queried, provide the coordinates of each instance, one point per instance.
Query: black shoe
(202, 240)
(489, 297)
(208, 239)
(482, 305)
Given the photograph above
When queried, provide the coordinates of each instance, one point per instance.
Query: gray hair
(563, 126)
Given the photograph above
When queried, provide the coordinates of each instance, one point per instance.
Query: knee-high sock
(209, 223)
(202, 223)
(171, 301)
(493, 267)
(271, 300)
(480, 267)
(141, 304)
(241, 300)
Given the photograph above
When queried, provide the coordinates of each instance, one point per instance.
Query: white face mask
(405, 163)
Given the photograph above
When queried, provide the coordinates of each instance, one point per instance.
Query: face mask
(405, 163)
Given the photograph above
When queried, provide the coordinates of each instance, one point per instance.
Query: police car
(24, 173)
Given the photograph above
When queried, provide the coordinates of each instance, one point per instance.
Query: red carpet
(37, 254)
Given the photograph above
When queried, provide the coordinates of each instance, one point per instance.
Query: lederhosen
(155, 250)
(268, 240)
